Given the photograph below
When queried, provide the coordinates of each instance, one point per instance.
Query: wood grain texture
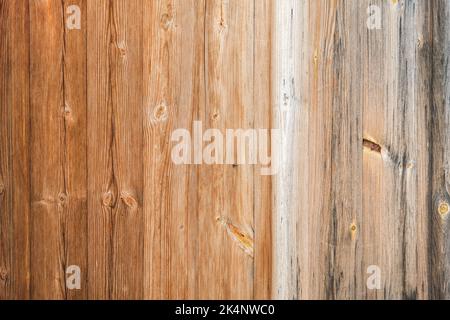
(226, 192)
(201, 68)
(174, 93)
(262, 99)
(87, 177)
(318, 194)
(390, 188)
(115, 149)
(14, 151)
(374, 104)
(58, 151)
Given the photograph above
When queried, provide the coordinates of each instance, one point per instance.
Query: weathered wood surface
(86, 176)
(367, 115)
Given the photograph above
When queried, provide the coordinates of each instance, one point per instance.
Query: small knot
(444, 209)
(222, 25)
(108, 199)
(62, 198)
(2, 188)
(371, 146)
(129, 200)
(66, 110)
(420, 42)
(316, 56)
(122, 47)
(166, 21)
(160, 112)
(353, 230)
(215, 116)
(3, 274)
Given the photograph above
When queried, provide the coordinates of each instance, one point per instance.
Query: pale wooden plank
(318, 192)
(289, 116)
(390, 153)
(226, 192)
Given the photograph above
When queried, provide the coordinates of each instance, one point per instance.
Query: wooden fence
(91, 93)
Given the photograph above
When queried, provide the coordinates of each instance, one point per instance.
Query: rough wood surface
(373, 106)
(14, 150)
(115, 149)
(202, 68)
(58, 153)
(87, 178)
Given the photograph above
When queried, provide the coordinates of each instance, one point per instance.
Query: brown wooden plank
(58, 152)
(75, 145)
(226, 195)
(47, 162)
(87, 177)
(174, 93)
(263, 14)
(14, 150)
(115, 151)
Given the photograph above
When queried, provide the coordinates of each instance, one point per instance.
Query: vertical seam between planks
(254, 169)
(30, 132)
(86, 227)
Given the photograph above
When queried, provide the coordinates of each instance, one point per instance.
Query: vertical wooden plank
(174, 93)
(115, 153)
(318, 209)
(391, 150)
(58, 151)
(435, 101)
(226, 193)
(290, 116)
(424, 45)
(75, 145)
(379, 47)
(263, 14)
(48, 191)
(341, 94)
(174, 78)
(14, 150)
